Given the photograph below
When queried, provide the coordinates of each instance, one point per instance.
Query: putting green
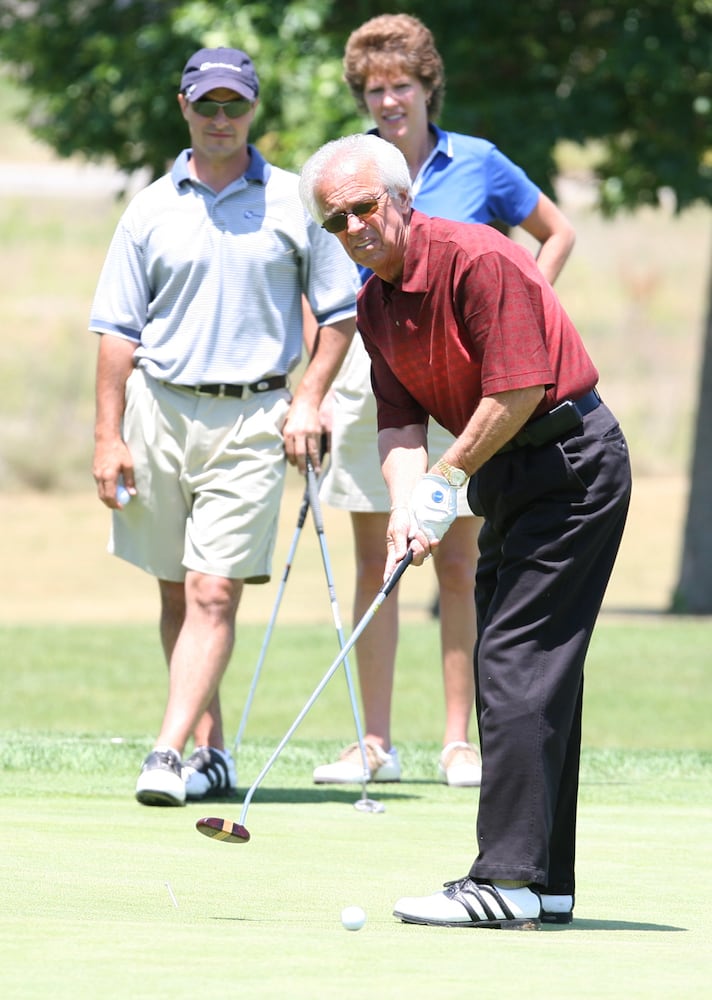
(100, 894)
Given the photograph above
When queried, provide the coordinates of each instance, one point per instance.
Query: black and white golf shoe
(467, 903)
(160, 782)
(209, 773)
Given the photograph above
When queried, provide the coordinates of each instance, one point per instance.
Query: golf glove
(433, 504)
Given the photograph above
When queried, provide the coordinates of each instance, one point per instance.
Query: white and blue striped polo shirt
(209, 285)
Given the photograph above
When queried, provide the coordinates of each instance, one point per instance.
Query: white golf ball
(122, 495)
(353, 918)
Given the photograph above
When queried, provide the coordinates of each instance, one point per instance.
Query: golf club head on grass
(236, 833)
(366, 805)
(222, 829)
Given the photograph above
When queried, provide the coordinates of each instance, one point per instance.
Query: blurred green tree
(102, 75)
(635, 78)
(632, 79)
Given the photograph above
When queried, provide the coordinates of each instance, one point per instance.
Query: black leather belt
(221, 389)
(552, 426)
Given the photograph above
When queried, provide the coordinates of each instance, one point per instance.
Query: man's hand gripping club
(421, 525)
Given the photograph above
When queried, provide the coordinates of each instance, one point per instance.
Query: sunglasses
(362, 210)
(233, 109)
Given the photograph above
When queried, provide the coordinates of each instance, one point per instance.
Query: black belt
(552, 426)
(221, 389)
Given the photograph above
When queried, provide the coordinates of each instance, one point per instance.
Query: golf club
(364, 804)
(273, 617)
(237, 833)
(311, 497)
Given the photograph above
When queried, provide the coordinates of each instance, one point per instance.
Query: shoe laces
(167, 756)
(199, 759)
(456, 885)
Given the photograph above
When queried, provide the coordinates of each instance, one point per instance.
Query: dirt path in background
(56, 569)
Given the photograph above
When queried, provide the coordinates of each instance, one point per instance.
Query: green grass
(88, 878)
(648, 682)
(52, 253)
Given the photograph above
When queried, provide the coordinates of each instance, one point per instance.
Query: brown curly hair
(389, 43)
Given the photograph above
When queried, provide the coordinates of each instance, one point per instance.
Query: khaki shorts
(354, 481)
(209, 474)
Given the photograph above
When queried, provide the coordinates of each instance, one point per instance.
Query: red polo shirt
(471, 317)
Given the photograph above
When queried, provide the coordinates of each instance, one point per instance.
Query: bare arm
(111, 456)
(310, 326)
(302, 429)
(555, 234)
(326, 409)
(404, 459)
(495, 421)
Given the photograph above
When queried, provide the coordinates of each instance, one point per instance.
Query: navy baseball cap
(211, 68)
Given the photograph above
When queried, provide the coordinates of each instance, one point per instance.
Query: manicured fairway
(101, 896)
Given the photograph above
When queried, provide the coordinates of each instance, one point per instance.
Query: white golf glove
(433, 504)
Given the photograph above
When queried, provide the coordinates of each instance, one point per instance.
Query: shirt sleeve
(122, 296)
(331, 280)
(511, 195)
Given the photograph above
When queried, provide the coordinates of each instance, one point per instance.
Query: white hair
(358, 150)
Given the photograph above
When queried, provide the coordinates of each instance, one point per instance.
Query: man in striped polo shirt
(199, 312)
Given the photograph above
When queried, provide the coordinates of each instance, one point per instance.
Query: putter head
(365, 805)
(222, 829)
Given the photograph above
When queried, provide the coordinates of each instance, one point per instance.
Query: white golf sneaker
(209, 772)
(460, 765)
(466, 903)
(348, 769)
(160, 782)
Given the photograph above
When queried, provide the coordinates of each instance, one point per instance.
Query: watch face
(457, 477)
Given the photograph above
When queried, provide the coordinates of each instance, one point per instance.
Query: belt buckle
(220, 394)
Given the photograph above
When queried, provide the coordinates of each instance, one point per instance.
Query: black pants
(554, 518)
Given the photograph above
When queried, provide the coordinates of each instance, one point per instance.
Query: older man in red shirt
(460, 325)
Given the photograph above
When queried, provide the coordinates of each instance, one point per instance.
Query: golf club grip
(397, 573)
(313, 494)
(303, 509)
(323, 446)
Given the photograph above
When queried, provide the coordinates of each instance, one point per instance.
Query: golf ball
(353, 918)
(122, 495)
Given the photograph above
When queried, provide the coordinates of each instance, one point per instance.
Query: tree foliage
(633, 77)
(103, 74)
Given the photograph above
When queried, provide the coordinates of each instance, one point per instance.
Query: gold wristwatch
(456, 477)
